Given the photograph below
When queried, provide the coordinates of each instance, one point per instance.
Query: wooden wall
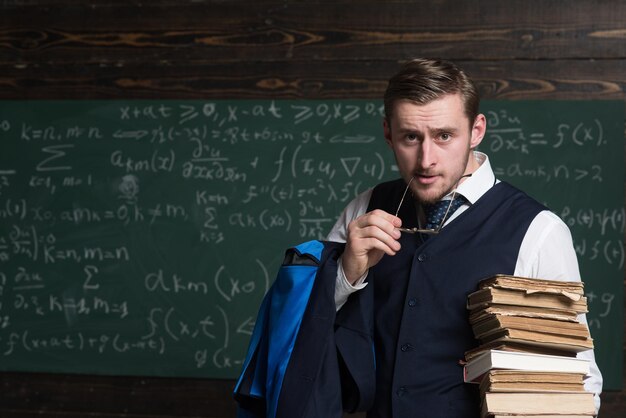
(516, 49)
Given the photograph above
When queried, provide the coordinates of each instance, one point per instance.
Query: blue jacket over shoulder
(303, 361)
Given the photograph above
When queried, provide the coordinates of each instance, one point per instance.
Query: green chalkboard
(138, 237)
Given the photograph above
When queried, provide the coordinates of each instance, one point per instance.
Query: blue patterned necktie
(436, 211)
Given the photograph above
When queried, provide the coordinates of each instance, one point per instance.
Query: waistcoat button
(422, 257)
(412, 302)
(401, 391)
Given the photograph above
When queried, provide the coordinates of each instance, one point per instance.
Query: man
(421, 274)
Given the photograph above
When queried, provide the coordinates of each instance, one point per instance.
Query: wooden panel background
(69, 49)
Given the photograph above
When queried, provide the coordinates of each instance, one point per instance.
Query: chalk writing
(139, 237)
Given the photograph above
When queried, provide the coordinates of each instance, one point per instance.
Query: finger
(382, 220)
(374, 235)
(360, 236)
(378, 245)
(394, 220)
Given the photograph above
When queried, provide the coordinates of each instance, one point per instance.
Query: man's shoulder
(516, 196)
(508, 204)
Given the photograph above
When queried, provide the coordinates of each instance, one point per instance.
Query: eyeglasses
(428, 231)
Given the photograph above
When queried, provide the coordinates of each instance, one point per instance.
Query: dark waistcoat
(421, 322)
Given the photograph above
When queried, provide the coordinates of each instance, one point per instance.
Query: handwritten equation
(143, 233)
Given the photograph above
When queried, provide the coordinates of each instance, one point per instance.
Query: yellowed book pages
(525, 381)
(543, 416)
(533, 376)
(537, 403)
(573, 290)
(540, 339)
(523, 311)
(493, 323)
(532, 388)
(488, 296)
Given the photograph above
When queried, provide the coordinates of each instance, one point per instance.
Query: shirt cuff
(343, 288)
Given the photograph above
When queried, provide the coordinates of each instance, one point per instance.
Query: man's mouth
(426, 178)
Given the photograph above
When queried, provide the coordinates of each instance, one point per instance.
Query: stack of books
(526, 363)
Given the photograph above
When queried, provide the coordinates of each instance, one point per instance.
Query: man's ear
(479, 128)
(387, 132)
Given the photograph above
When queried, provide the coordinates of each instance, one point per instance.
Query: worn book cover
(560, 314)
(573, 290)
(491, 295)
(540, 339)
(517, 347)
(475, 369)
(493, 323)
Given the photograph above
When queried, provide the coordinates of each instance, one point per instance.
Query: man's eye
(411, 137)
(445, 137)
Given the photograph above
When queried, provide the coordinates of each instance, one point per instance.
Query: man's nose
(427, 157)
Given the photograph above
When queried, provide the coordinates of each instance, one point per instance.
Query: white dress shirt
(547, 250)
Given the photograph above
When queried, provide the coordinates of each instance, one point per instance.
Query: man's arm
(368, 236)
(547, 252)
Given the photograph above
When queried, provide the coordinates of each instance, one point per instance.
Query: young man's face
(433, 142)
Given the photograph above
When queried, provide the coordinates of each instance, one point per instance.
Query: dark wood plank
(69, 396)
(210, 32)
(580, 79)
(12, 413)
(115, 396)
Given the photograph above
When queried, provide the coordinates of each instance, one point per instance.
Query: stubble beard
(425, 198)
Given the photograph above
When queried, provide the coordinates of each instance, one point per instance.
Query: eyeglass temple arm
(404, 194)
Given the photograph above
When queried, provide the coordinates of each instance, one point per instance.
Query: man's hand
(370, 236)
